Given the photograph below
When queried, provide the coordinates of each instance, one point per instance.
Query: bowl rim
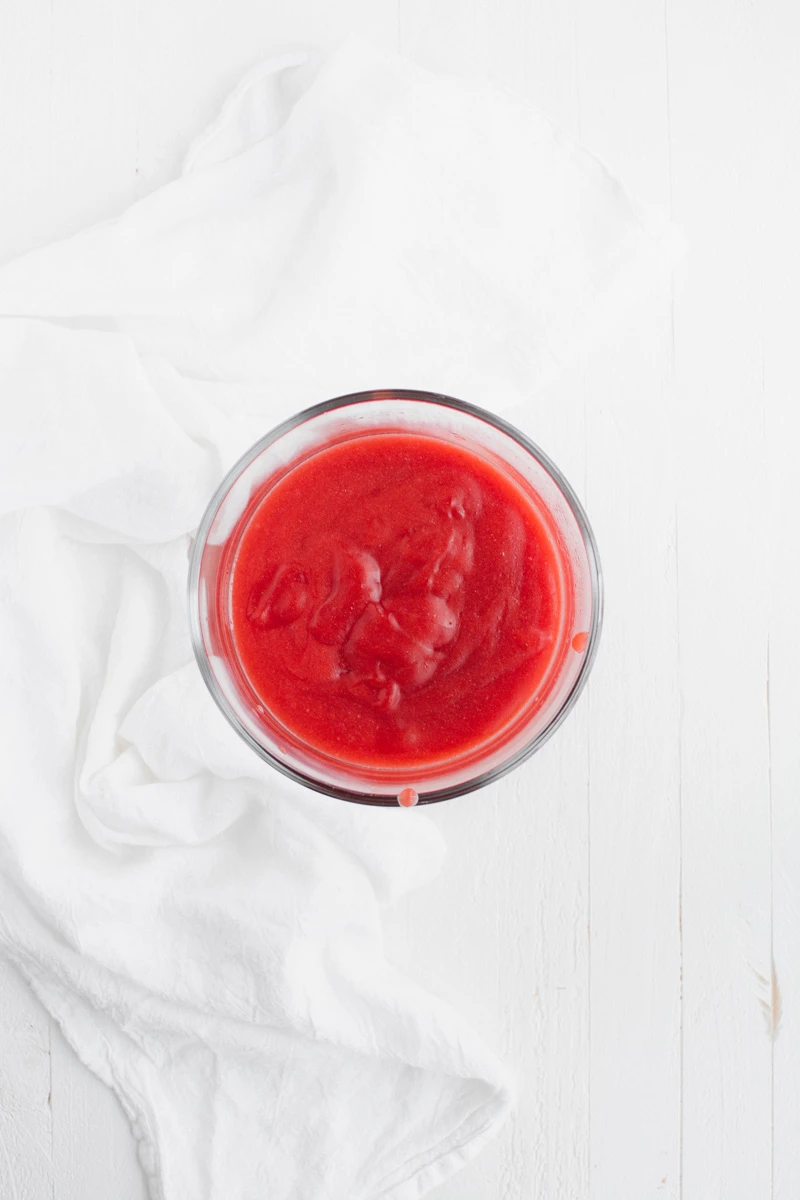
(595, 572)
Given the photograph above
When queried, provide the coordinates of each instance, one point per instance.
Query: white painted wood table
(621, 917)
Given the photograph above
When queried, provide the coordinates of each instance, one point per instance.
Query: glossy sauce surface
(398, 600)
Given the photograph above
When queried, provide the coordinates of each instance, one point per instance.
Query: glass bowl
(263, 466)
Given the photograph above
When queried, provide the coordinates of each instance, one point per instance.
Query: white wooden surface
(622, 917)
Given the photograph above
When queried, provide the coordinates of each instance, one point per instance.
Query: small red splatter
(579, 641)
(408, 798)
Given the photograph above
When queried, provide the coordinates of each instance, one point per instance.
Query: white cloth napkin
(208, 935)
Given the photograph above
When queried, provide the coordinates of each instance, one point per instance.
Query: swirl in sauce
(397, 600)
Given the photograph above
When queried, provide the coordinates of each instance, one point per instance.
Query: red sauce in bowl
(398, 600)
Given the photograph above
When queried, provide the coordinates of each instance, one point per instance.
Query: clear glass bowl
(268, 461)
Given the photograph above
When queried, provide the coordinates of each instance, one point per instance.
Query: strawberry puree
(398, 600)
